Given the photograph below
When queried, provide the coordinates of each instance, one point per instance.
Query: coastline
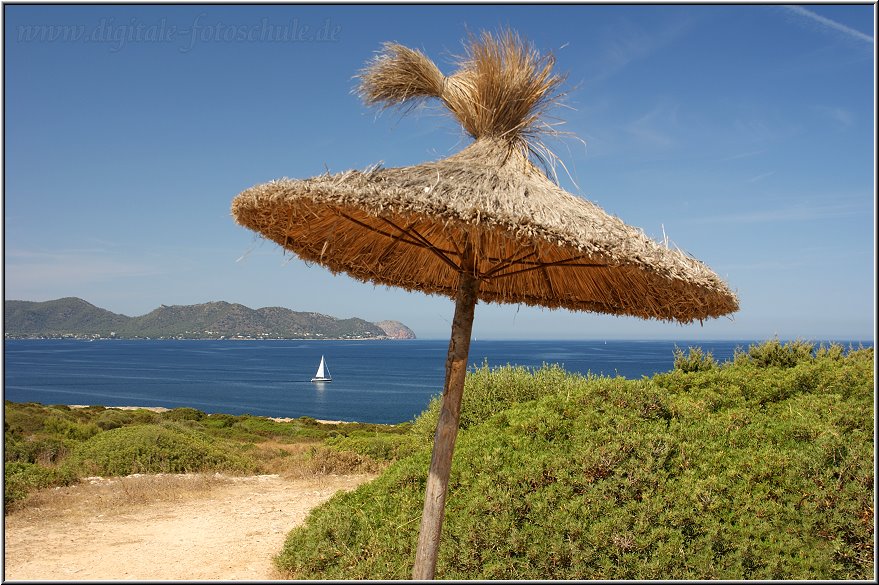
(270, 379)
(222, 338)
(163, 409)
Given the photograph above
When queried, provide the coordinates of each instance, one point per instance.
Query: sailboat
(323, 373)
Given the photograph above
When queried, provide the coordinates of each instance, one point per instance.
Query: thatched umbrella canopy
(486, 223)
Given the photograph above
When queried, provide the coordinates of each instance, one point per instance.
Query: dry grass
(302, 460)
(112, 495)
(109, 496)
(99, 496)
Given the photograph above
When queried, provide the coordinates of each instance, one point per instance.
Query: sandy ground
(225, 528)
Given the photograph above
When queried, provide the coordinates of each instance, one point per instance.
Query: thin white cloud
(35, 269)
(656, 127)
(625, 43)
(832, 24)
(756, 131)
(740, 155)
(760, 177)
(840, 116)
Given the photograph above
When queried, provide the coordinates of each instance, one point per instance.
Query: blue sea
(373, 381)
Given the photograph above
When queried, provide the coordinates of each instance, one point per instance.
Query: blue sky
(745, 133)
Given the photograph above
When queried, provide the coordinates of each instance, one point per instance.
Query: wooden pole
(447, 426)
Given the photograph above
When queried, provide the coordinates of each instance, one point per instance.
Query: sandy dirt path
(227, 528)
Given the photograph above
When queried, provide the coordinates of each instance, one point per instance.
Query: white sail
(323, 373)
(321, 368)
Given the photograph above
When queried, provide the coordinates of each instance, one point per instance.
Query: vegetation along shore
(756, 468)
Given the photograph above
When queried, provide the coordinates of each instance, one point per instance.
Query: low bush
(183, 413)
(489, 390)
(756, 469)
(219, 420)
(773, 353)
(155, 449)
(24, 418)
(695, 360)
(68, 429)
(112, 418)
(266, 427)
(37, 448)
(21, 478)
(381, 446)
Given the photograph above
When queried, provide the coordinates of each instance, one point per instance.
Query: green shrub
(734, 472)
(68, 429)
(694, 361)
(155, 449)
(834, 351)
(219, 420)
(24, 418)
(37, 449)
(489, 390)
(183, 413)
(112, 418)
(21, 478)
(380, 446)
(773, 353)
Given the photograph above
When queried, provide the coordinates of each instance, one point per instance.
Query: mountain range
(74, 317)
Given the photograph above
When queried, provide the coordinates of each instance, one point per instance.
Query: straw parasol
(483, 224)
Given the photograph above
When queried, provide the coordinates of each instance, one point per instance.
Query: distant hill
(74, 317)
(396, 330)
(55, 318)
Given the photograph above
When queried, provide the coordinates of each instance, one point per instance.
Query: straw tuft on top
(500, 91)
(512, 85)
(399, 74)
